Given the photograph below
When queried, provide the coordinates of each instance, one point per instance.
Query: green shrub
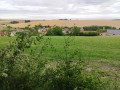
(95, 28)
(26, 21)
(49, 32)
(69, 74)
(75, 31)
(14, 22)
(56, 31)
(89, 34)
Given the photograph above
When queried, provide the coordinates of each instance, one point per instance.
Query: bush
(75, 31)
(56, 31)
(49, 32)
(95, 28)
(89, 34)
(69, 74)
(101, 30)
(14, 22)
(26, 21)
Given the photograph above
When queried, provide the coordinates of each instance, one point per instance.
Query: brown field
(8, 21)
(69, 23)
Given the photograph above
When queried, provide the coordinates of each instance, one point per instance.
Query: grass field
(92, 48)
(102, 54)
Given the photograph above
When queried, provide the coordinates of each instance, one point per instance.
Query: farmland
(69, 23)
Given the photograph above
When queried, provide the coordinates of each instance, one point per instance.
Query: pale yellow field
(8, 21)
(70, 23)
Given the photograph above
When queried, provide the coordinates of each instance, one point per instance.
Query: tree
(75, 31)
(49, 32)
(28, 27)
(14, 22)
(26, 21)
(56, 31)
(8, 30)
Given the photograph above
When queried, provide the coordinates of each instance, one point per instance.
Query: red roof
(87, 31)
(3, 34)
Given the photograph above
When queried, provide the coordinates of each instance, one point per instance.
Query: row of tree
(75, 31)
(95, 28)
(15, 22)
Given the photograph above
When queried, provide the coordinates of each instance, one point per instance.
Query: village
(43, 30)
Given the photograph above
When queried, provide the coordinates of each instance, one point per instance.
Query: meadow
(92, 48)
(100, 54)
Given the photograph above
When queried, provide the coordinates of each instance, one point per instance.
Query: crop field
(8, 21)
(70, 23)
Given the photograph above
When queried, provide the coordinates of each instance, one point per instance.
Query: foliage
(101, 30)
(14, 22)
(26, 21)
(49, 32)
(95, 28)
(69, 74)
(56, 31)
(89, 33)
(27, 71)
(17, 70)
(8, 30)
(28, 27)
(75, 31)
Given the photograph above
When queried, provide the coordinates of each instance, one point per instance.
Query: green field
(101, 54)
(91, 48)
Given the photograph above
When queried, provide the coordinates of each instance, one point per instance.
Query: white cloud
(55, 9)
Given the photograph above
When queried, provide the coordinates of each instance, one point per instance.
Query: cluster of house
(43, 30)
(3, 34)
(13, 33)
(65, 31)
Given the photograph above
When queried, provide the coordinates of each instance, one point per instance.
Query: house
(110, 32)
(43, 30)
(13, 33)
(103, 33)
(113, 32)
(82, 29)
(65, 31)
(3, 34)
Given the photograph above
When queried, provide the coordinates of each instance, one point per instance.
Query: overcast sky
(56, 9)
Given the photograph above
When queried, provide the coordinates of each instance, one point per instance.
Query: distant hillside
(70, 23)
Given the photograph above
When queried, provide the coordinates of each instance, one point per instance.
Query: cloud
(55, 9)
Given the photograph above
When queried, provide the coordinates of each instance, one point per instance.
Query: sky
(60, 9)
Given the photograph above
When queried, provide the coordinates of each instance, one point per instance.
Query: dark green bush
(56, 31)
(95, 28)
(26, 21)
(89, 34)
(75, 31)
(14, 22)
